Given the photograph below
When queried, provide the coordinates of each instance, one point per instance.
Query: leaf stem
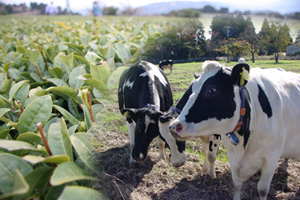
(45, 61)
(39, 73)
(40, 129)
(90, 106)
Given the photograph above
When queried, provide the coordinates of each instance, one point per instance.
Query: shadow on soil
(119, 179)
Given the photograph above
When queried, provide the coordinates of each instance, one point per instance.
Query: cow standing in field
(210, 143)
(263, 112)
(166, 64)
(144, 93)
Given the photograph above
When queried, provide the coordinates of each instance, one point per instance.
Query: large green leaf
(67, 115)
(100, 86)
(87, 117)
(15, 88)
(82, 143)
(123, 52)
(33, 56)
(74, 81)
(59, 140)
(115, 77)
(93, 58)
(68, 172)
(37, 111)
(60, 64)
(82, 59)
(12, 145)
(64, 90)
(20, 187)
(38, 179)
(100, 72)
(76, 48)
(57, 82)
(3, 111)
(3, 55)
(8, 163)
(56, 72)
(68, 59)
(79, 193)
(29, 137)
(4, 133)
(50, 159)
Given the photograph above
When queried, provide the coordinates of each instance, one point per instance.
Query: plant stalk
(40, 129)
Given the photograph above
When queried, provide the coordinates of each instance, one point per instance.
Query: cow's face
(214, 105)
(146, 129)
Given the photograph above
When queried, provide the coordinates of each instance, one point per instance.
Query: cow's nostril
(178, 127)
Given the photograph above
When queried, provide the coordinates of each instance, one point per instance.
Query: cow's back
(275, 95)
(144, 84)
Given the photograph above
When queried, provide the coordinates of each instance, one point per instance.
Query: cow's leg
(161, 148)
(131, 128)
(267, 173)
(178, 157)
(205, 149)
(214, 142)
(237, 184)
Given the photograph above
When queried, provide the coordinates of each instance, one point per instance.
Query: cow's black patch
(210, 145)
(264, 102)
(215, 100)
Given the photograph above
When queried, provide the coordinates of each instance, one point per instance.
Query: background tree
(111, 10)
(249, 35)
(280, 39)
(264, 37)
(221, 24)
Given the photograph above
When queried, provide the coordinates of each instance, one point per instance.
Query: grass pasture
(157, 179)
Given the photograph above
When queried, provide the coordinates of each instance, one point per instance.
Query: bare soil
(157, 179)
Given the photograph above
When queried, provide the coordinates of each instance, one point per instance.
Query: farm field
(57, 63)
(157, 179)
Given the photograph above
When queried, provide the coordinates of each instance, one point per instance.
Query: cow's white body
(270, 137)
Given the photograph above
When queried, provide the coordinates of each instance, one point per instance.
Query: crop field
(61, 128)
(157, 179)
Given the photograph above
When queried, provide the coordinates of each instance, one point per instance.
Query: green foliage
(187, 13)
(181, 40)
(50, 75)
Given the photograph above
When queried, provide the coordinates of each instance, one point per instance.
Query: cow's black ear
(196, 75)
(240, 74)
(129, 113)
(155, 115)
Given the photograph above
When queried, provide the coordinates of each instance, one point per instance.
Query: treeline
(14, 8)
(186, 40)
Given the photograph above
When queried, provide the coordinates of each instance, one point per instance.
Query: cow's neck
(244, 130)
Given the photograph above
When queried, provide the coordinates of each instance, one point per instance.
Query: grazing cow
(166, 64)
(263, 112)
(144, 93)
(178, 158)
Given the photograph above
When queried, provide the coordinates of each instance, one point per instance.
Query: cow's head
(214, 105)
(146, 129)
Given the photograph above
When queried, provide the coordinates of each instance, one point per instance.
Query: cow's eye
(212, 90)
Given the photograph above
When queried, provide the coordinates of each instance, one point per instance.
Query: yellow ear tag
(244, 76)
(126, 114)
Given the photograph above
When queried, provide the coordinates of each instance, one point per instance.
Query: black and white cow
(144, 93)
(166, 64)
(178, 157)
(263, 112)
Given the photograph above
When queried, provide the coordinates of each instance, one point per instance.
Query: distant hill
(282, 6)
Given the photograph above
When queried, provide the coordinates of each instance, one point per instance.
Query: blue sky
(276, 5)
